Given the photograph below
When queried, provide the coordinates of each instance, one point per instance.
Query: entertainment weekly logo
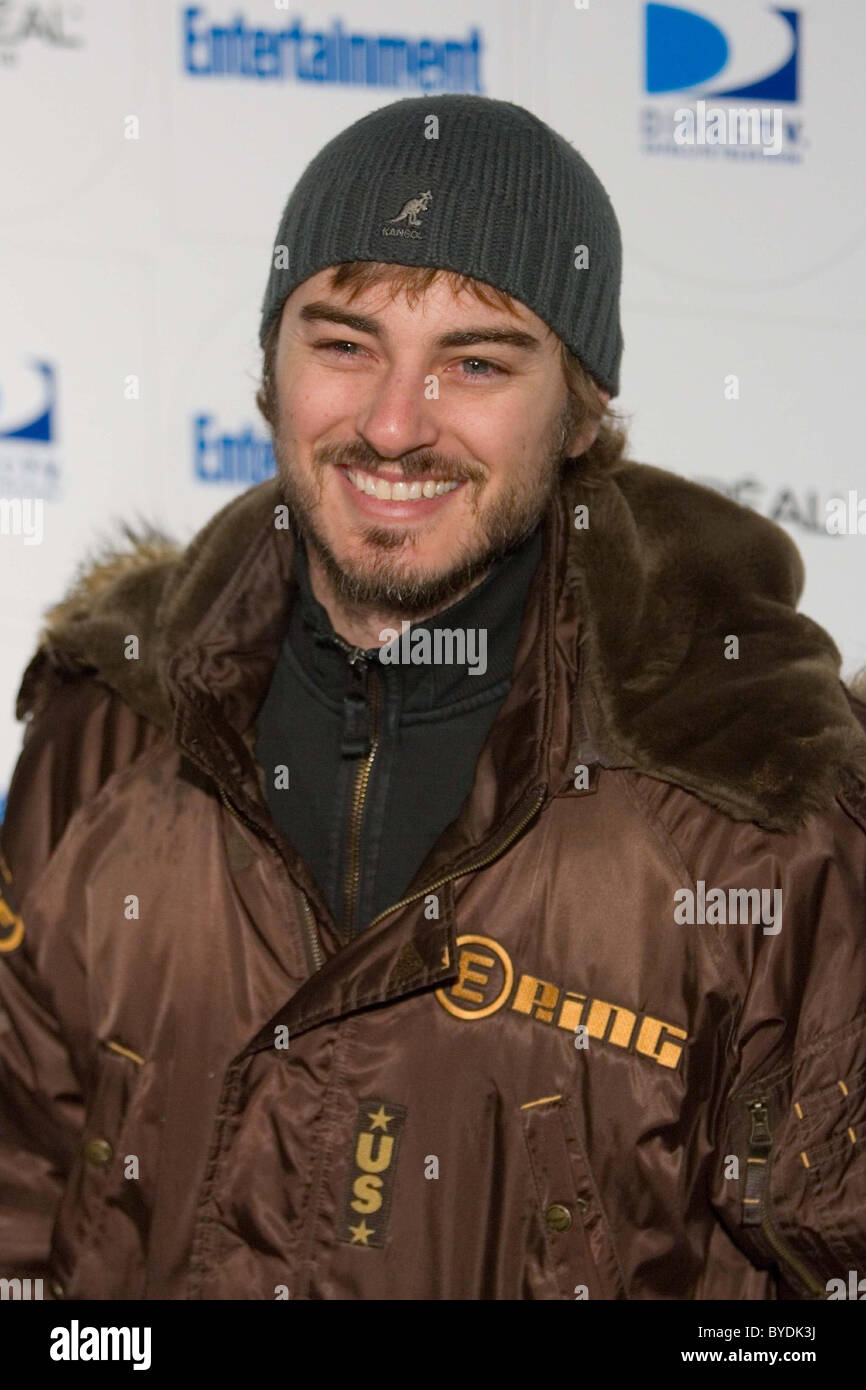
(344, 56)
(221, 454)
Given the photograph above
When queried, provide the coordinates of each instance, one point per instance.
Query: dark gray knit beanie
(486, 189)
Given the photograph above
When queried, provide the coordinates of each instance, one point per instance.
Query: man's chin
(395, 569)
(387, 571)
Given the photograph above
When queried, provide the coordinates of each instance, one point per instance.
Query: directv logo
(29, 467)
(685, 51)
(294, 53)
(723, 55)
(27, 403)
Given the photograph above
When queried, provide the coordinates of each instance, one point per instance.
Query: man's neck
(358, 624)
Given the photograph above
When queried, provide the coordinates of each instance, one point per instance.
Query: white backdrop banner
(149, 150)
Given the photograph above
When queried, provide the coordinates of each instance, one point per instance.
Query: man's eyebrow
(511, 337)
(464, 337)
(319, 311)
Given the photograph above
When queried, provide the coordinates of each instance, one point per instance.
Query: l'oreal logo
(485, 984)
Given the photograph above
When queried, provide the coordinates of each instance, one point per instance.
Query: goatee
(387, 582)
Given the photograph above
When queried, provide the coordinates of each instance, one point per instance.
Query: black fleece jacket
(381, 757)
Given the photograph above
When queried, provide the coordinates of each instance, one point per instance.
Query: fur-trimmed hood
(695, 667)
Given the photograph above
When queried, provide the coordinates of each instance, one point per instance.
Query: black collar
(495, 606)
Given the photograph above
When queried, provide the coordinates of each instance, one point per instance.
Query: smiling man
(338, 964)
(412, 464)
(416, 473)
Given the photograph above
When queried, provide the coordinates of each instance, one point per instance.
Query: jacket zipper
(468, 868)
(356, 814)
(757, 1194)
(309, 921)
(312, 933)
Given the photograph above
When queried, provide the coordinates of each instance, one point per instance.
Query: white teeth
(396, 491)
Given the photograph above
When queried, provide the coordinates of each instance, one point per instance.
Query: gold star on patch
(361, 1234)
(380, 1119)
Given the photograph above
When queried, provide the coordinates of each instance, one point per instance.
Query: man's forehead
(385, 297)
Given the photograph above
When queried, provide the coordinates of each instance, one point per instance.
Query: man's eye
(491, 367)
(347, 350)
(335, 345)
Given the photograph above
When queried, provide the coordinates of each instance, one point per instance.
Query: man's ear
(585, 437)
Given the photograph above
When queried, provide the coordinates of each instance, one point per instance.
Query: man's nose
(398, 418)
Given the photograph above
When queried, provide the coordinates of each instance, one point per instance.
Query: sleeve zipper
(756, 1195)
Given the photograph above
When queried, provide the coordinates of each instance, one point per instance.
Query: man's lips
(397, 509)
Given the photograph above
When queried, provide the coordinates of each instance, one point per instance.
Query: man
(444, 877)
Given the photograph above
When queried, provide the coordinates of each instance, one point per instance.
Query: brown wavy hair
(584, 403)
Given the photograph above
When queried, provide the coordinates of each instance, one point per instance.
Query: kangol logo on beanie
(409, 213)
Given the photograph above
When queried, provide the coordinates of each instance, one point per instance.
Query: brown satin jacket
(533, 1077)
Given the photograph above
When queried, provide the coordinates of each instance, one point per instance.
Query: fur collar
(665, 571)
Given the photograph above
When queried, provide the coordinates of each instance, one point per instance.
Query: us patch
(371, 1172)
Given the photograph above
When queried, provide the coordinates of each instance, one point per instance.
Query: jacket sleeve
(69, 749)
(795, 1116)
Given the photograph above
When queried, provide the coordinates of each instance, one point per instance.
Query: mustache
(422, 464)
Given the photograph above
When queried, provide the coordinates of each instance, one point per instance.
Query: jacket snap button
(558, 1216)
(57, 1289)
(98, 1152)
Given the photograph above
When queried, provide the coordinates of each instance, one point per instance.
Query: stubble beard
(383, 578)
